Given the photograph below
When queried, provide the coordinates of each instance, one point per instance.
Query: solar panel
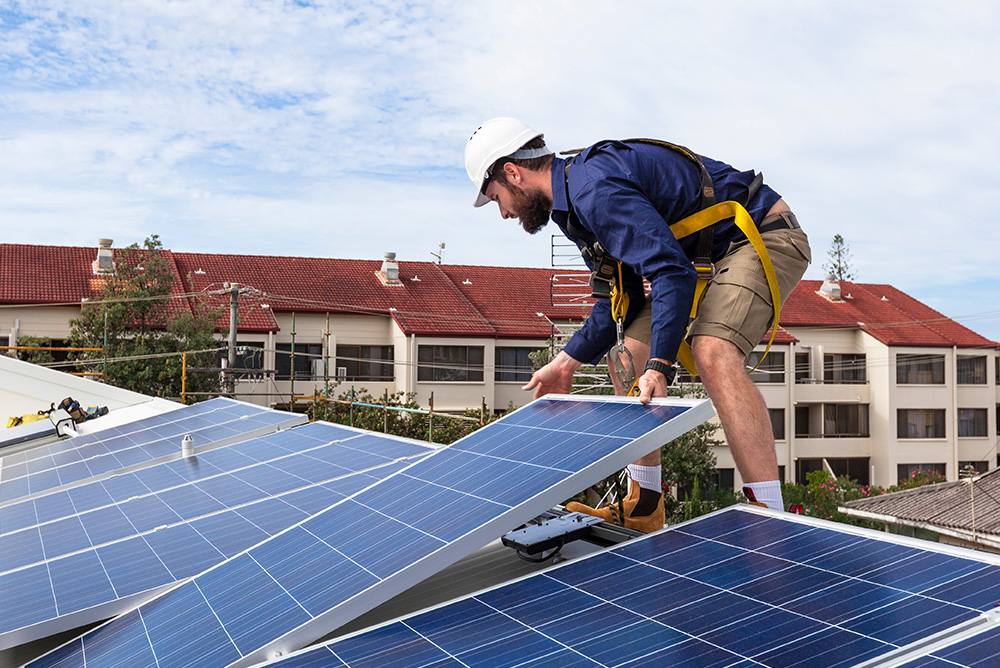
(741, 587)
(166, 523)
(26, 432)
(62, 464)
(319, 574)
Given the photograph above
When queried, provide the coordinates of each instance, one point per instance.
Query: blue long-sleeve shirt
(627, 196)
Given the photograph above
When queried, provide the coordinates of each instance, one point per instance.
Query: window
(512, 364)
(249, 357)
(855, 468)
(802, 421)
(920, 369)
(450, 363)
(971, 370)
(845, 420)
(844, 368)
(920, 423)
(803, 369)
(305, 353)
(998, 420)
(907, 471)
(996, 370)
(722, 479)
(366, 362)
(777, 422)
(771, 370)
(972, 422)
(977, 467)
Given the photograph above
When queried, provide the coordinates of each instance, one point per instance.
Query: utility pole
(234, 299)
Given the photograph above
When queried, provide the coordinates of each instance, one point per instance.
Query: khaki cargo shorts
(736, 305)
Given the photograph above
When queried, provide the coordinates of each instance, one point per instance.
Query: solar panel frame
(647, 428)
(571, 600)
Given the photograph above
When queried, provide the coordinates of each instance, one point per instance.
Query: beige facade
(322, 358)
(880, 416)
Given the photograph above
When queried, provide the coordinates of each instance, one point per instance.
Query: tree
(141, 328)
(34, 356)
(839, 263)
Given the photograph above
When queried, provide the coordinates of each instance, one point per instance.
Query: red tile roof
(432, 299)
(888, 315)
(60, 275)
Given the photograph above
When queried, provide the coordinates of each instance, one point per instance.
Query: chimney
(389, 273)
(104, 263)
(830, 288)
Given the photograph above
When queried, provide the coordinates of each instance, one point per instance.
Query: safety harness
(606, 276)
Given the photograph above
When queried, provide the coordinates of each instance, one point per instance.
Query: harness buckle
(705, 270)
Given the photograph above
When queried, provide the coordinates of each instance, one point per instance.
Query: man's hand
(556, 377)
(652, 384)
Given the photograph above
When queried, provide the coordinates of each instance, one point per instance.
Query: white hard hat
(495, 139)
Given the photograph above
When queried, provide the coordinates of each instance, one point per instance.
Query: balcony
(815, 391)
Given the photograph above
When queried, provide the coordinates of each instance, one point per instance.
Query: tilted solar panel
(741, 587)
(312, 578)
(144, 442)
(153, 527)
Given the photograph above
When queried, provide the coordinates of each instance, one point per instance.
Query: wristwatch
(668, 370)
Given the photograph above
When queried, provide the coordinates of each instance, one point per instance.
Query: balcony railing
(820, 381)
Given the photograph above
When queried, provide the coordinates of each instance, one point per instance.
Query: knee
(716, 358)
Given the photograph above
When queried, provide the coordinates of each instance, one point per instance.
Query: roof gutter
(976, 538)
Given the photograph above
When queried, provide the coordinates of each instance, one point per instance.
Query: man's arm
(556, 377)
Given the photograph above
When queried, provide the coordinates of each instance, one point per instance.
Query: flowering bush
(918, 479)
(823, 494)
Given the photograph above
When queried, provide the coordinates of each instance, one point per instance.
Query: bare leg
(740, 406)
(640, 355)
(643, 508)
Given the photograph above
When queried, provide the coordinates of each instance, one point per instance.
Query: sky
(337, 129)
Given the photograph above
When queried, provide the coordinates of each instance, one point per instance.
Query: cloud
(342, 125)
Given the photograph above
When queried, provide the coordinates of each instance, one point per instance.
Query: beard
(532, 209)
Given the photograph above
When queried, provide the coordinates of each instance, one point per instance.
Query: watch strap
(668, 370)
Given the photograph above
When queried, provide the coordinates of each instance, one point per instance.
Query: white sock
(768, 493)
(647, 477)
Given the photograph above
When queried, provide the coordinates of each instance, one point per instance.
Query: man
(616, 200)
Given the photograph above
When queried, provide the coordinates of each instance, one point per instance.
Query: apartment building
(461, 333)
(862, 379)
(865, 381)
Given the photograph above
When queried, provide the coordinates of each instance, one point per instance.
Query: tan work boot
(644, 523)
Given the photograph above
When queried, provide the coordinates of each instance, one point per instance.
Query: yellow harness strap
(703, 219)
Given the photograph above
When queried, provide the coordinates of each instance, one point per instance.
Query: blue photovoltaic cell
(171, 533)
(642, 604)
(979, 651)
(417, 521)
(83, 457)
